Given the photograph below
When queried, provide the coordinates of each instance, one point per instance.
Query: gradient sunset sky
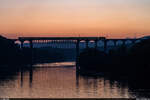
(111, 18)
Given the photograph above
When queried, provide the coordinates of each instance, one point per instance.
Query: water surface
(59, 80)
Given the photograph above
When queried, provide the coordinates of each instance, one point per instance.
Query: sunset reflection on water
(60, 82)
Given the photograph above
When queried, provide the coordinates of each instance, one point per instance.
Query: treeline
(123, 61)
(11, 54)
(125, 64)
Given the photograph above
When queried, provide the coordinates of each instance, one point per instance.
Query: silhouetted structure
(131, 62)
(9, 52)
(75, 40)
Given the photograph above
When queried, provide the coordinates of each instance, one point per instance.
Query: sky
(109, 18)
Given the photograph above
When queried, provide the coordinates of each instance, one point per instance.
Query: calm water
(59, 80)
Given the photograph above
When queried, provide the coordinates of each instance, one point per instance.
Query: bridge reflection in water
(62, 81)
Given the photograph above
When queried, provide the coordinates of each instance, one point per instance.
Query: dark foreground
(132, 64)
(123, 73)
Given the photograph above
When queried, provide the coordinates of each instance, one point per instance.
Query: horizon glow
(111, 18)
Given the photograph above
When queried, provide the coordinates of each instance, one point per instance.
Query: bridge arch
(82, 44)
(128, 41)
(119, 42)
(26, 43)
(18, 43)
(100, 43)
(91, 43)
(111, 43)
(137, 41)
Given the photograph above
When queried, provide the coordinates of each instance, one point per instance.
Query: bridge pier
(77, 55)
(123, 43)
(133, 41)
(31, 44)
(105, 45)
(22, 42)
(115, 43)
(87, 44)
(31, 47)
(96, 44)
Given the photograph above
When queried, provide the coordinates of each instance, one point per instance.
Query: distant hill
(146, 37)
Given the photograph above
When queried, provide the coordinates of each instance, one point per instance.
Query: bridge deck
(121, 39)
(73, 38)
(61, 38)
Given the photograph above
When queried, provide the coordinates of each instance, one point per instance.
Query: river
(59, 80)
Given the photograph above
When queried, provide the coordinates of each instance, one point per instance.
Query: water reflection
(101, 87)
(59, 82)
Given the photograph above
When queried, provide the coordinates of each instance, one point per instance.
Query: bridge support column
(31, 44)
(96, 44)
(77, 55)
(105, 45)
(22, 42)
(123, 44)
(115, 43)
(31, 47)
(133, 41)
(87, 44)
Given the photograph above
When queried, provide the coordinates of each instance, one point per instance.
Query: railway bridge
(75, 40)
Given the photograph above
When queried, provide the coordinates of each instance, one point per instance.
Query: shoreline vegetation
(12, 55)
(123, 60)
(131, 64)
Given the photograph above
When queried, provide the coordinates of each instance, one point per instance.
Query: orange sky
(111, 18)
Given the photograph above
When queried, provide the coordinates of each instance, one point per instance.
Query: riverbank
(132, 62)
(11, 54)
